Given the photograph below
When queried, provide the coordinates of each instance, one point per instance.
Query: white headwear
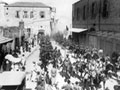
(109, 71)
(100, 51)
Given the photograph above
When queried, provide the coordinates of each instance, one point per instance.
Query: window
(77, 14)
(84, 14)
(105, 9)
(25, 14)
(17, 14)
(31, 14)
(73, 14)
(42, 14)
(93, 10)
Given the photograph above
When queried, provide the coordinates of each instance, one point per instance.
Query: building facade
(102, 19)
(17, 33)
(35, 15)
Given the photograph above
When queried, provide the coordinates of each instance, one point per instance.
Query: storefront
(102, 40)
(5, 47)
(93, 41)
(79, 35)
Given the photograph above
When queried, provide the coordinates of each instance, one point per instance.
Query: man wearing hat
(101, 56)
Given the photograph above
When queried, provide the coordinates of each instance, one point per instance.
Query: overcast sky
(63, 7)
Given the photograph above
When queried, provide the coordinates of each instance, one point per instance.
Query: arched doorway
(40, 33)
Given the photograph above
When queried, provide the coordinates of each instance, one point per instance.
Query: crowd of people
(47, 53)
(91, 66)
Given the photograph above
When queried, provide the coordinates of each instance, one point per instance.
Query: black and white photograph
(59, 44)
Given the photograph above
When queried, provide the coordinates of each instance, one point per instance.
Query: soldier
(67, 63)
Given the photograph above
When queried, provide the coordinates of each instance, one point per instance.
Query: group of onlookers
(18, 53)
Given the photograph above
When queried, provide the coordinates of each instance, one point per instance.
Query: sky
(63, 8)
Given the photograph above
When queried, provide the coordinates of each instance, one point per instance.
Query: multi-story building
(35, 15)
(101, 18)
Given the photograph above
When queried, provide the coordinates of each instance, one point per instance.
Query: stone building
(101, 18)
(35, 15)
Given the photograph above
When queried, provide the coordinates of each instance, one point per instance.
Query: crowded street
(109, 83)
(60, 45)
(59, 79)
(51, 65)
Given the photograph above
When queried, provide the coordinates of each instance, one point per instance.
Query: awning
(77, 30)
(12, 59)
(10, 78)
(4, 39)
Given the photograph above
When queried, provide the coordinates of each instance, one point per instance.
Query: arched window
(31, 14)
(93, 10)
(42, 14)
(84, 12)
(25, 14)
(78, 13)
(17, 14)
(105, 11)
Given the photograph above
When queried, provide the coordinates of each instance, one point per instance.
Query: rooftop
(3, 3)
(27, 4)
(76, 2)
